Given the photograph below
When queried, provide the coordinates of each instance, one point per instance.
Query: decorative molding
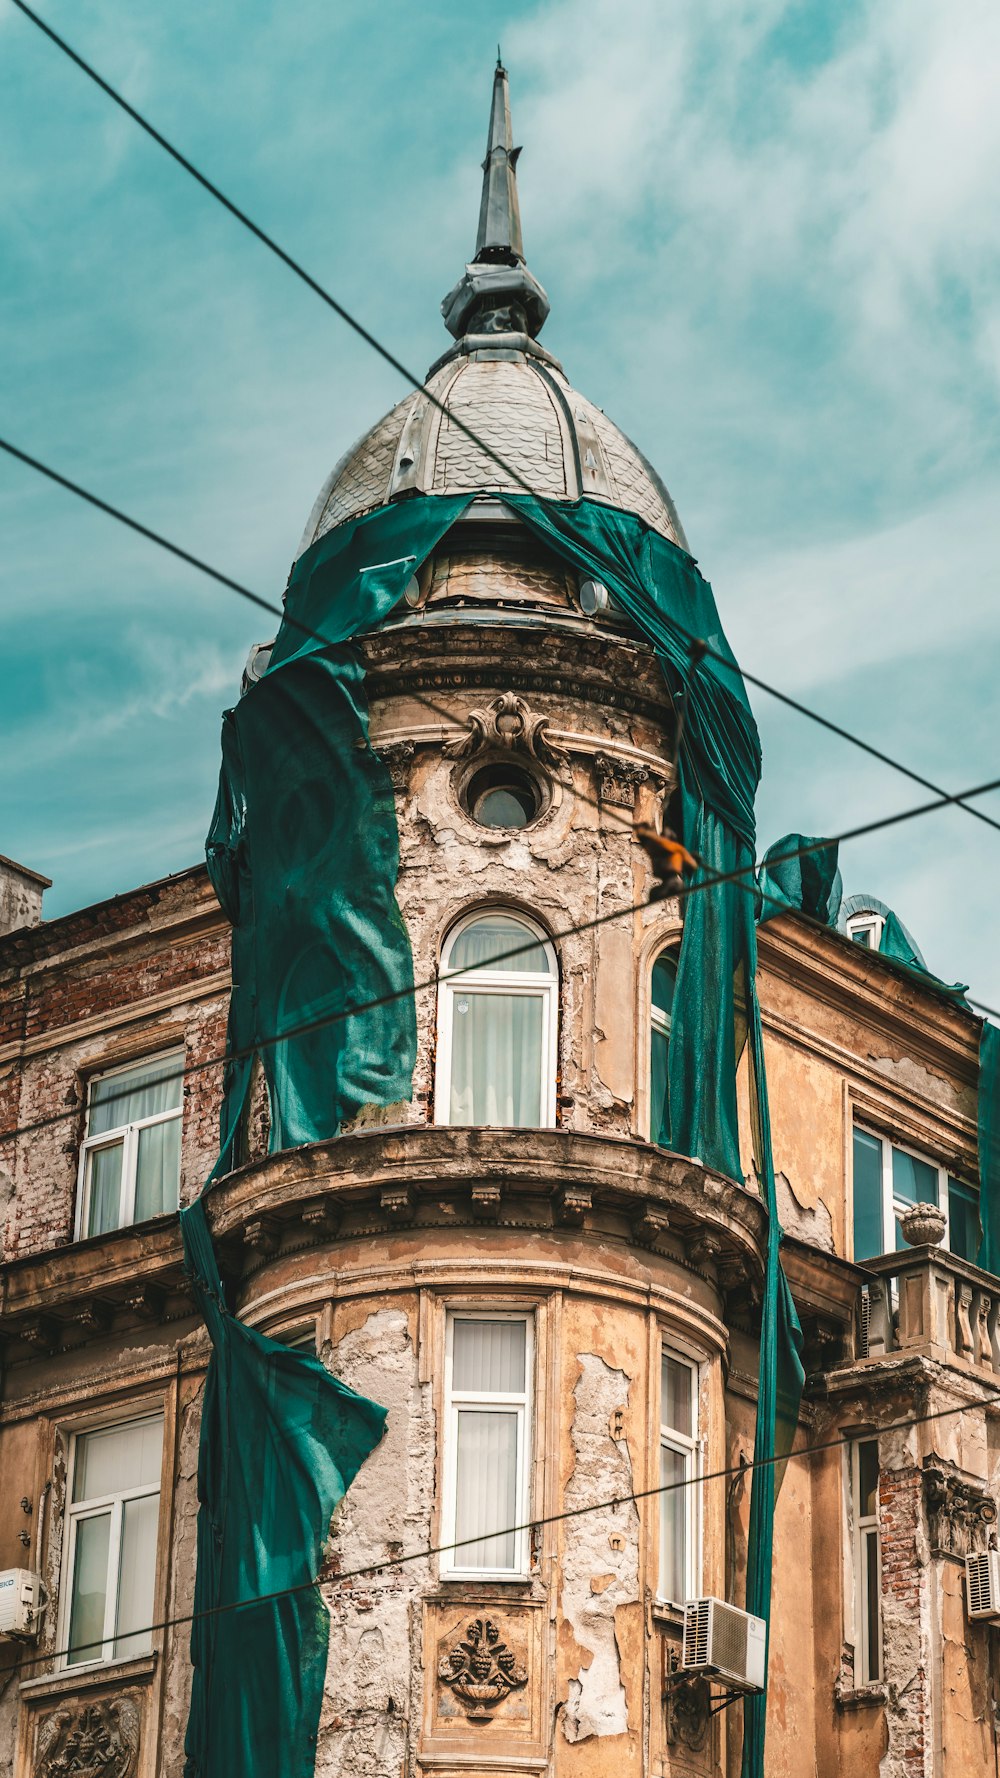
(649, 1224)
(322, 1216)
(486, 1201)
(618, 779)
(263, 1234)
(396, 1201)
(509, 723)
(96, 1740)
(481, 1670)
(688, 1714)
(397, 756)
(959, 1512)
(573, 1203)
(147, 1301)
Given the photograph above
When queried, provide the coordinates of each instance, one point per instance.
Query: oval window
(502, 795)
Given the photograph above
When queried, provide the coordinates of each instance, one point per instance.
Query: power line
(416, 383)
(714, 880)
(371, 1569)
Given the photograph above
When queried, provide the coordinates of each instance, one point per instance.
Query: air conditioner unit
(724, 1642)
(21, 1602)
(982, 1584)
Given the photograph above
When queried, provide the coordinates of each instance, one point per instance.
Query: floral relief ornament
(99, 1740)
(481, 1670)
(508, 723)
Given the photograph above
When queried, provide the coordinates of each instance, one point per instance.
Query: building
(556, 1311)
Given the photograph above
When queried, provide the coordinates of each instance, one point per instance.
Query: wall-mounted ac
(22, 1597)
(725, 1643)
(982, 1584)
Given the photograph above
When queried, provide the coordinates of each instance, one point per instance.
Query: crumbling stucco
(809, 1222)
(598, 1575)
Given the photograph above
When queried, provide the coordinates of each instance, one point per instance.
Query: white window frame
(453, 1567)
(864, 1529)
(691, 1449)
(91, 1509)
(499, 981)
(894, 1208)
(866, 922)
(128, 1136)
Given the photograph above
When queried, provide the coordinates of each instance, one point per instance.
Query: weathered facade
(556, 1311)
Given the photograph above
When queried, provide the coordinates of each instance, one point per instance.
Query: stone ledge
(70, 1680)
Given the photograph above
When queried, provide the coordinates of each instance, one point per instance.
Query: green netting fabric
(281, 1441)
(809, 884)
(303, 849)
(898, 947)
(989, 1147)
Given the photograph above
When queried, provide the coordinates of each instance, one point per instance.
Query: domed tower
(510, 1262)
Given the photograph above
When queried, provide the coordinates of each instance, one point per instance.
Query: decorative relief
(960, 1514)
(507, 722)
(481, 1670)
(619, 779)
(98, 1740)
(688, 1715)
(397, 755)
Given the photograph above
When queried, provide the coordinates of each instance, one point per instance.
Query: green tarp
(281, 1441)
(809, 883)
(303, 852)
(989, 1147)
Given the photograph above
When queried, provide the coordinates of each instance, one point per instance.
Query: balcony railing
(926, 1300)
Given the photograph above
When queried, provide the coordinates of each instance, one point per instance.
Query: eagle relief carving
(481, 1670)
(95, 1740)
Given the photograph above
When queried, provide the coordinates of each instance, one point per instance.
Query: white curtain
(90, 1586)
(486, 1488)
(135, 1093)
(488, 1357)
(496, 1058)
(478, 945)
(104, 1211)
(136, 1576)
(158, 1169)
(673, 1526)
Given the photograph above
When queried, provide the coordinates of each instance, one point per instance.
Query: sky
(770, 236)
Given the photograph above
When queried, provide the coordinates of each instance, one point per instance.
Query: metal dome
(500, 384)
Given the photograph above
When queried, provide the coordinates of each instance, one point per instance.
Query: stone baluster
(880, 1336)
(964, 1345)
(981, 1305)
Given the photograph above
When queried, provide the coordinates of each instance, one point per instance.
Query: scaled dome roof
(500, 384)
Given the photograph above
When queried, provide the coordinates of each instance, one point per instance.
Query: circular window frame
(500, 759)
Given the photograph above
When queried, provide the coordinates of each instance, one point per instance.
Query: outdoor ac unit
(21, 1596)
(982, 1583)
(723, 1641)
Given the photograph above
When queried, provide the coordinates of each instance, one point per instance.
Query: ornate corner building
(556, 1311)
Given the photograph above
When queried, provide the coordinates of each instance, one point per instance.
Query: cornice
(134, 1012)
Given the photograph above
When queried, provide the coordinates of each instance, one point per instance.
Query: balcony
(929, 1302)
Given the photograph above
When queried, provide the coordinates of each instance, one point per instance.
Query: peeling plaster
(809, 1222)
(909, 1074)
(597, 1703)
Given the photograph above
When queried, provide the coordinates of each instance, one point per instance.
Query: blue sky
(771, 239)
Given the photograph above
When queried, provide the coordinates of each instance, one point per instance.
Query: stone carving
(619, 779)
(397, 755)
(508, 723)
(923, 1225)
(960, 1514)
(963, 1323)
(98, 1740)
(688, 1714)
(481, 1670)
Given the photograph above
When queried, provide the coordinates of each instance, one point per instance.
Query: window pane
(105, 1176)
(158, 1169)
(488, 1356)
(90, 1588)
(135, 1093)
(912, 1179)
(488, 939)
(657, 1083)
(485, 1489)
(136, 1576)
(868, 1239)
(964, 1232)
(117, 1458)
(873, 1639)
(496, 1059)
(676, 1409)
(862, 935)
(664, 979)
(673, 1526)
(868, 1478)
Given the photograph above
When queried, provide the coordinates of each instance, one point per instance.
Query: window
(487, 1444)
(132, 1154)
(663, 981)
(111, 1541)
(679, 1518)
(866, 929)
(867, 1561)
(497, 1025)
(889, 1180)
(503, 796)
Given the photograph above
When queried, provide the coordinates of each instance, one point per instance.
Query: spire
(499, 236)
(497, 294)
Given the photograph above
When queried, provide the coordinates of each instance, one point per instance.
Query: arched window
(662, 985)
(497, 1021)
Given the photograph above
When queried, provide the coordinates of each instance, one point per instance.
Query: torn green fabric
(897, 947)
(809, 884)
(989, 1147)
(281, 1441)
(303, 850)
